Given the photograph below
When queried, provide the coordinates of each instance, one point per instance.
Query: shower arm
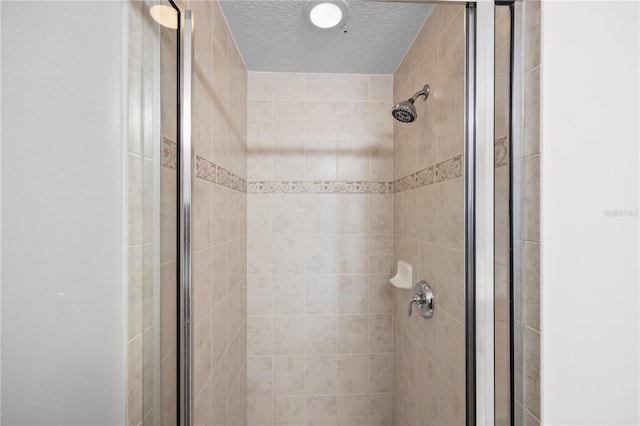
(424, 92)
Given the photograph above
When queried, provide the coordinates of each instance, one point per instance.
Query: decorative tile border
(449, 169)
(414, 180)
(169, 153)
(501, 152)
(319, 187)
(445, 170)
(213, 173)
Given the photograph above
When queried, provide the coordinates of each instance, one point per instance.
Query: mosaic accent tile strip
(449, 169)
(169, 153)
(445, 170)
(414, 180)
(501, 152)
(319, 187)
(213, 173)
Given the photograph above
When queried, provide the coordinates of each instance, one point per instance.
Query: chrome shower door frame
(478, 206)
(479, 212)
(185, 279)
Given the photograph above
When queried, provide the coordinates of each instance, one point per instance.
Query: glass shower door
(502, 219)
(158, 116)
(169, 195)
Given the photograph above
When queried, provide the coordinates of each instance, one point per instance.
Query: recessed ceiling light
(165, 16)
(326, 15)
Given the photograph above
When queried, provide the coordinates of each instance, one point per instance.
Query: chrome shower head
(405, 112)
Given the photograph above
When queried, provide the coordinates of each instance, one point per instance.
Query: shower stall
(265, 212)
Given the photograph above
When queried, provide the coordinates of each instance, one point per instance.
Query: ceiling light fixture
(326, 15)
(164, 15)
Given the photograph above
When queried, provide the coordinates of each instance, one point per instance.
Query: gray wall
(62, 230)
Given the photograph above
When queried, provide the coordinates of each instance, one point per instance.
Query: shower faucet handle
(423, 299)
(418, 300)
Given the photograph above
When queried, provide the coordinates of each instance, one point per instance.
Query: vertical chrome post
(185, 326)
(157, 191)
(469, 215)
(484, 211)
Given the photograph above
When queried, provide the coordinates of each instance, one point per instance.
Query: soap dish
(404, 276)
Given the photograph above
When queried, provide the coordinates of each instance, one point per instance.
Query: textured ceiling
(273, 35)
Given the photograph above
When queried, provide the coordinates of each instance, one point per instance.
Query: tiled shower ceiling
(273, 35)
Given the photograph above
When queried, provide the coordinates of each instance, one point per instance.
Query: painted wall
(319, 249)
(589, 215)
(62, 231)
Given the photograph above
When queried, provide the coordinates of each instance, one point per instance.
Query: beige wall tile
(352, 213)
(451, 406)
(352, 294)
(320, 159)
(288, 120)
(134, 290)
(379, 293)
(288, 160)
(320, 254)
(380, 87)
(288, 410)
(288, 254)
(352, 254)
(321, 334)
(327, 234)
(134, 381)
(321, 375)
(202, 284)
(259, 294)
(381, 373)
(451, 213)
(451, 281)
(531, 202)
(353, 374)
(451, 350)
(259, 335)
(531, 285)
(259, 214)
(288, 86)
(288, 335)
(353, 160)
(260, 86)
(352, 334)
(532, 371)
(380, 253)
(202, 353)
(451, 120)
(320, 121)
(288, 294)
(260, 411)
(288, 214)
(320, 294)
(381, 409)
(532, 112)
(321, 214)
(321, 410)
(288, 375)
(353, 410)
(203, 414)
(258, 255)
(381, 333)
(260, 121)
(259, 376)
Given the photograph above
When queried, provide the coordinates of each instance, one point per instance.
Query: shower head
(405, 112)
